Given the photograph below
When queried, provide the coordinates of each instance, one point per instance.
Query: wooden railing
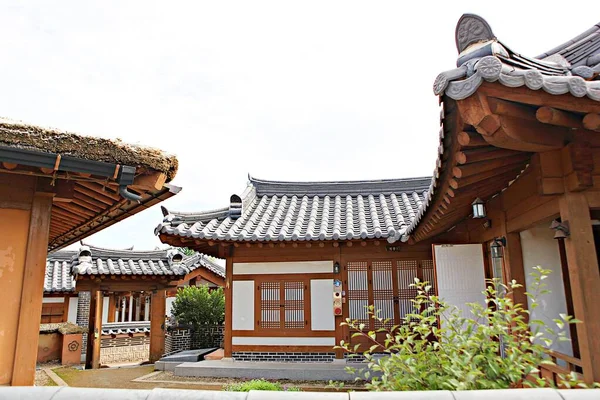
(563, 365)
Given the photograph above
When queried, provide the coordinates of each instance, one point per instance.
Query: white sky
(310, 90)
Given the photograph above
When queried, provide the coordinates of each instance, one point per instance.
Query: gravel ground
(41, 379)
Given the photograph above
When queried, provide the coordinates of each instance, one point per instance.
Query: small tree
(198, 306)
(495, 348)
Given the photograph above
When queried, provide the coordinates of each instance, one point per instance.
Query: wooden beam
(23, 373)
(471, 139)
(553, 116)
(157, 325)
(592, 122)
(9, 166)
(466, 170)
(151, 181)
(584, 277)
(511, 109)
(227, 336)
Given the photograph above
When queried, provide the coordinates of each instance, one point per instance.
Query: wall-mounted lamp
(561, 229)
(497, 247)
(478, 208)
(336, 268)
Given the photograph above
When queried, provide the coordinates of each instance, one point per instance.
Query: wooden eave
(84, 204)
(125, 283)
(205, 274)
(487, 141)
(215, 248)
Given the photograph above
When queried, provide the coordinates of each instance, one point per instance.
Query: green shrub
(494, 348)
(259, 384)
(197, 306)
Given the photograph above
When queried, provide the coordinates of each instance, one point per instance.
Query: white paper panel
(460, 275)
(72, 316)
(321, 305)
(243, 305)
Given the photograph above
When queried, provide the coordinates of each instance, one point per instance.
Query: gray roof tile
(61, 265)
(303, 211)
(573, 67)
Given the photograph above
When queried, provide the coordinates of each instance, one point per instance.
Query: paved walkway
(267, 370)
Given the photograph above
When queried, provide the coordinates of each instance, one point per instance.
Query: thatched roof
(66, 328)
(19, 134)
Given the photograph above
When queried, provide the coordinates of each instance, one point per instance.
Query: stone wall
(124, 348)
(180, 338)
(83, 315)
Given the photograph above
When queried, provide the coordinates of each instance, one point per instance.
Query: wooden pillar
(112, 307)
(28, 330)
(157, 325)
(92, 356)
(585, 280)
(138, 307)
(513, 267)
(227, 334)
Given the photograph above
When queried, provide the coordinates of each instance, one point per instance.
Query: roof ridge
(571, 41)
(360, 181)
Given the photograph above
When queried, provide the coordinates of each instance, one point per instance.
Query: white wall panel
(321, 305)
(243, 305)
(540, 248)
(296, 267)
(169, 305)
(283, 341)
(72, 315)
(460, 275)
(105, 301)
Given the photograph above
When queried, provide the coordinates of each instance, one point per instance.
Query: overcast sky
(323, 90)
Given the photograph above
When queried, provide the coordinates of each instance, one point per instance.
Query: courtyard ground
(129, 378)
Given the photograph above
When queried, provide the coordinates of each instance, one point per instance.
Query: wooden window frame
(282, 331)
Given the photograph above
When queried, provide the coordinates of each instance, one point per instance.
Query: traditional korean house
(55, 189)
(516, 185)
(125, 321)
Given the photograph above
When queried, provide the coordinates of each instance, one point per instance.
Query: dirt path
(120, 378)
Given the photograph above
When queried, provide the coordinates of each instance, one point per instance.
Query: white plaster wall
(105, 301)
(169, 305)
(460, 275)
(283, 341)
(53, 300)
(540, 248)
(243, 305)
(72, 315)
(321, 305)
(296, 267)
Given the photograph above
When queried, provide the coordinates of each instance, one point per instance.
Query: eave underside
(486, 142)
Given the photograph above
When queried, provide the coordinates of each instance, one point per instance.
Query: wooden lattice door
(385, 284)
(282, 305)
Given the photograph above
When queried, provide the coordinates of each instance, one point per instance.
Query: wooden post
(514, 269)
(112, 307)
(28, 330)
(92, 355)
(227, 334)
(585, 280)
(157, 325)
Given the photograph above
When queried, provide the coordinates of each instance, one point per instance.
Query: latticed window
(385, 284)
(282, 304)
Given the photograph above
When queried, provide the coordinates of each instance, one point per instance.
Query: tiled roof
(117, 328)
(573, 67)
(201, 260)
(296, 211)
(58, 272)
(61, 265)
